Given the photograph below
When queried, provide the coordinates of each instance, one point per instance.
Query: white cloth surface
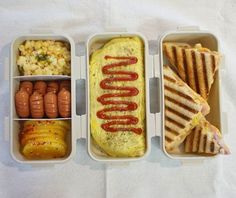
(156, 176)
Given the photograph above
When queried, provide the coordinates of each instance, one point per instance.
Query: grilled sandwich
(205, 139)
(183, 109)
(195, 65)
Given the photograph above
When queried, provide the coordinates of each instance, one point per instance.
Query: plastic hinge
(188, 28)
(158, 124)
(6, 129)
(41, 31)
(83, 67)
(6, 68)
(115, 29)
(151, 116)
(156, 63)
(83, 126)
(154, 117)
(158, 119)
(80, 120)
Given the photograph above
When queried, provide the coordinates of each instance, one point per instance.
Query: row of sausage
(41, 99)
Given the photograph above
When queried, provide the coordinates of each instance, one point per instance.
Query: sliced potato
(48, 130)
(44, 139)
(44, 150)
(35, 136)
(51, 123)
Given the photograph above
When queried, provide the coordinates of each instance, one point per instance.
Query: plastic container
(93, 43)
(80, 118)
(15, 79)
(193, 35)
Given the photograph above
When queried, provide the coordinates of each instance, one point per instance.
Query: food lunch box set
(80, 112)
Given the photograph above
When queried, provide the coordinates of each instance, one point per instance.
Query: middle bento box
(113, 84)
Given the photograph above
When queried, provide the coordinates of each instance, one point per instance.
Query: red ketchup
(125, 91)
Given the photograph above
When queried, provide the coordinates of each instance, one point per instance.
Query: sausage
(50, 104)
(36, 105)
(65, 84)
(64, 101)
(52, 86)
(22, 103)
(40, 87)
(27, 86)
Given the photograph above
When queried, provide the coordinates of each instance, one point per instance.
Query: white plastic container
(93, 43)
(193, 35)
(15, 79)
(80, 120)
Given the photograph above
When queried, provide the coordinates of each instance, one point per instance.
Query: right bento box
(117, 96)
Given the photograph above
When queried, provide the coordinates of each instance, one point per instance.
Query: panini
(195, 65)
(205, 139)
(183, 109)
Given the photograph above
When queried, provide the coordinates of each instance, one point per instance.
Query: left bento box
(42, 99)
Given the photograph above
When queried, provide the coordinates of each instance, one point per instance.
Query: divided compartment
(96, 42)
(17, 155)
(15, 87)
(210, 41)
(15, 81)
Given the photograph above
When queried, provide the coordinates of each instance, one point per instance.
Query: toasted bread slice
(183, 109)
(205, 139)
(195, 65)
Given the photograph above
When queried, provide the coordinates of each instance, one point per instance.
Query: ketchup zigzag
(125, 91)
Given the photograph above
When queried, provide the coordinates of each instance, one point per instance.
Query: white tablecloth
(156, 176)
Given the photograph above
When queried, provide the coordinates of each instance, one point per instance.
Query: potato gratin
(46, 57)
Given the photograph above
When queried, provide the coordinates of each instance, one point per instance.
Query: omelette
(117, 97)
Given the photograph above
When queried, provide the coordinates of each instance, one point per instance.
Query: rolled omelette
(117, 97)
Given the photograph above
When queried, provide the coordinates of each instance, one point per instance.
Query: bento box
(80, 94)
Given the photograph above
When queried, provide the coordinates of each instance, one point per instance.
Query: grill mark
(213, 64)
(185, 66)
(192, 139)
(168, 139)
(171, 130)
(174, 122)
(169, 79)
(205, 142)
(178, 113)
(198, 140)
(195, 72)
(204, 73)
(212, 147)
(181, 105)
(176, 92)
(174, 54)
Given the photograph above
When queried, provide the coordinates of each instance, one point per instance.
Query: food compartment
(42, 99)
(47, 132)
(17, 148)
(41, 55)
(208, 40)
(95, 43)
(16, 127)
